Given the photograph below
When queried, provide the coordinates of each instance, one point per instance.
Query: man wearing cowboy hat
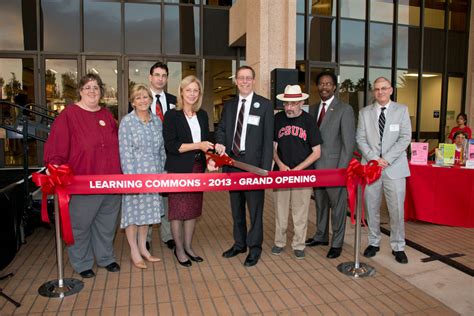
(336, 122)
(296, 146)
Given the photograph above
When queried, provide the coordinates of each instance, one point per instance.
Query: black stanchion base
(349, 268)
(52, 288)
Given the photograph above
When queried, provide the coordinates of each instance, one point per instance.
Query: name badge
(394, 127)
(254, 120)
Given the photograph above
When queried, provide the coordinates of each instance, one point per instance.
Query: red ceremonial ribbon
(55, 183)
(358, 174)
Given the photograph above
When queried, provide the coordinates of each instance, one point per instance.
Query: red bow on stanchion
(55, 183)
(358, 174)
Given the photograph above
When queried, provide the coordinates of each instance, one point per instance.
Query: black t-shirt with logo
(296, 138)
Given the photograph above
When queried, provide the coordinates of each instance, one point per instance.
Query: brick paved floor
(276, 285)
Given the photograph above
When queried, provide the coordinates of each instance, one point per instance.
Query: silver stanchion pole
(60, 287)
(357, 269)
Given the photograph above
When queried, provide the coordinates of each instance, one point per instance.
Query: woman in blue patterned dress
(142, 151)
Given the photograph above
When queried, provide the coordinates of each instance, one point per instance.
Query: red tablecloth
(440, 195)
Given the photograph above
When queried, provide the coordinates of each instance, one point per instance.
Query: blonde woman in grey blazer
(389, 149)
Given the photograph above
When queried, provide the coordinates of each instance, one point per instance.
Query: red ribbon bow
(55, 183)
(358, 174)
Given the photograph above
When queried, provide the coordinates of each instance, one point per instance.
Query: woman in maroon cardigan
(84, 136)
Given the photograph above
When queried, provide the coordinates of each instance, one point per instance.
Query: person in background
(383, 134)
(296, 146)
(84, 136)
(142, 151)
(186, 135)
(461, 121)
(245, 133)
(162, 102)
(336, 122)
(459, 140)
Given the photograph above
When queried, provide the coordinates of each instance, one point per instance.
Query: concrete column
(470, 73)
(267, 29)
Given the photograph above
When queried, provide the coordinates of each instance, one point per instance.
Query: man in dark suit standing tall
(336, 122)
(245, 133)
(162, 102)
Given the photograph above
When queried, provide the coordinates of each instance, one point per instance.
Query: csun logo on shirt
(292, 130)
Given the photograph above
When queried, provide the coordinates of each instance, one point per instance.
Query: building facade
(422, 46)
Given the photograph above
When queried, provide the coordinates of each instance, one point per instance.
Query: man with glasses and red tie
(336, 123)
(383, 134)
(245, 133)
(162, 102)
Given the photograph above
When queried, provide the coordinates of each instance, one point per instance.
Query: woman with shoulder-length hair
(84, 136)
(142, 151)
(186, 134)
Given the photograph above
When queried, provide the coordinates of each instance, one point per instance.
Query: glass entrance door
(109, 72)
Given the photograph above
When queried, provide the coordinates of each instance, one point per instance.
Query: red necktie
(321, 115)
(158, 108)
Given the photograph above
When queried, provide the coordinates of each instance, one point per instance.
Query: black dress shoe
(186, 263)
(251, 260)
(170, 244)
(400, 256)
(232, 252)
(371, 251)
(113, 267)
(87, 274)
(194, 258)
(334, 252)
(311, 242)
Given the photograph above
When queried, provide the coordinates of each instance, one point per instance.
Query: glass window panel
(433, 58)
(181, 33)
(457, 51)
(17, 85)
(381, 10)
(300, 6)
(375, 73)
(353, 9)
(142, 21)
(352, 42)
(18, 25)
(216, 40)
(187, 1)
(322, 39)
(408, 13)
(219, 87)
(407, 92)
(177, 71)
(61, 23)
(138, 72)
(458, 15)
(455, 85)
(434, 14)
(431, 101)
(351, 87)
(107, 70)
(323, 7)
(380, 44)
(300, 37)
(102, 26)
(402, 47)
(60, 83)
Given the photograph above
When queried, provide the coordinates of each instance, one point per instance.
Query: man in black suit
(162, 102)
(245, 133)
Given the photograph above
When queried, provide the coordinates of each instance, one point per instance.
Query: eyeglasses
(244, 78)
(325, 84)
(383, 89)
(91, 88)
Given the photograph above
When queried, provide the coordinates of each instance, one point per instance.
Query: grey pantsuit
(392, 148)
(93, 220)
(338, 133)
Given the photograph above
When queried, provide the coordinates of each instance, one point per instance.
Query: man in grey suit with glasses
(383, 134)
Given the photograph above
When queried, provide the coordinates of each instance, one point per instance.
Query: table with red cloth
(440, 195)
